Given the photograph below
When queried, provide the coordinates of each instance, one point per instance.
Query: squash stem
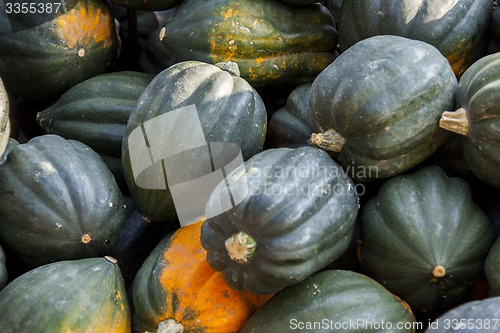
(329, 141)
(240, 247)
(455, 121)
(439, 271)
(170, 326)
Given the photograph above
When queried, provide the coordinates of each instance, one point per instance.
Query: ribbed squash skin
(457, 28)
(4, 118)
(384, 96)
(272, 42)
(229, 109)
(58, 201)
(86, 295)
(96, 112)
(471, 317)
(300, 212)
(492, 269)
(3, 269)
(417, 223)
(333, 297)
(289, 127)
(478, 95)
(147, 4)
(44, 61)
(176, 285)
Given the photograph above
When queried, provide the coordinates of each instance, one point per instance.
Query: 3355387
(32, 7)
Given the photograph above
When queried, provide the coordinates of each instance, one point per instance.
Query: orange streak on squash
(85, 24)
(203, 300)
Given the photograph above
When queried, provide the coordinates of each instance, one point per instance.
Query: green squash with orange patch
(43, 55)
(271, 42)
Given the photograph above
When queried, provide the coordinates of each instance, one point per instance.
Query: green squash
(39, 61)
(4, 118)
(86, 295)
(492, 268)
(272, 42)
(288, 127)
(471, 317)
(459, 29)
(478, 118)
(425, 239)
(333, 301)
(296, 217)
(228, 108)
(58, 201)
(3, 269)
(95, 112)
(149, 5)
(377, 106)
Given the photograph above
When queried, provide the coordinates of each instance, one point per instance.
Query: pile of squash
(367, 197)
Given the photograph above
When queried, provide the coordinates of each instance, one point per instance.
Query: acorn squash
(226, 108)
(410, 232)
(271, 42)
(40, 60)
(58, 201)
(333, 301)
(459, 28)
(86, 295)
(478, 118)
(95, 112)
(377, 106)
(176, 290)
(296, 217)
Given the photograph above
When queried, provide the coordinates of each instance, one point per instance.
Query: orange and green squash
(424, 239)
(86, 295)
(39, 61)
(272, 42)
(477, 118)
(177, 291)
(376, 108)
(58, 201)
(459, 28)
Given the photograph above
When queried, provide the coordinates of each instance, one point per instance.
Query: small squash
(410, 232)
(377, 106)
(3, 269)
(492, 269)
(478, 118)
(471, 317)
(298, 215)
(333, 301)
(95, 112)
(39, 61)
(58, 201)
(228, 109)
(271, 42)
(176, 290)
(288, 127)
(458, 29)
(86, 295)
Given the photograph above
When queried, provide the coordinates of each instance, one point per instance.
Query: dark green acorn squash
(228, 108)
(42, 60)
(459, 28)
(272, 42)
(4, 118)
(288, 127)
(58, 201)
(333, 301)
(149, 5)
(478, 118)
(298, 215)
(95, 112)
(86, 295)
(377, 106)
(3, 269)
(425, 239)
(492, 269)
(471, 317)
